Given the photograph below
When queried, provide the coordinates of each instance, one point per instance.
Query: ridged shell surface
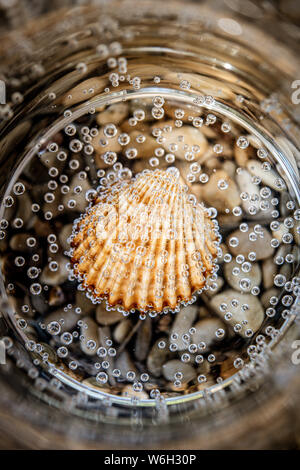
(144, 244)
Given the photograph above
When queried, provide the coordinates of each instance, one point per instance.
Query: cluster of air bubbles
(140, 354)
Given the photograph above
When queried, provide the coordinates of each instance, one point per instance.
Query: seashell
(145, 243)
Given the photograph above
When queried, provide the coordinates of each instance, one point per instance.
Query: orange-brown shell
(145, 244)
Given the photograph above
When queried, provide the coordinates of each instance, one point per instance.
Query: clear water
(50, 311)
(139, 110)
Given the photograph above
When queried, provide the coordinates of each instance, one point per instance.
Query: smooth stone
(286, 270)
(254, 315)
(81, 202)
(229, 221)
(203, 312)
(24, 211)
(86, 306)
(70, 319)
(269, 178)
(261, 246)
(42, 228)
(40, 303)
(56, 296)
(245, 184)
(241, 156)
(85, 91)
(296, 233)
(221, 199)
(130, 393)
(269, 271)
(206, 332)
(124, 364)
(121, 330)
(104, 335)
(90, 334)
(54, 278)
(53, 206)
(113, 114)
(185, 135)
(230, 168)
(112, 146)
(266, 296)
(224, 249)
(145, 149)
(157, 357)
(214, 287)
(278, 234)
(63, 236)
(170, 368)
(254, 275)
(143, 339)
(107, 317)
(183, 322)
(18, 242)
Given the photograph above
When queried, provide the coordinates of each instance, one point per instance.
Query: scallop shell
(145, 244)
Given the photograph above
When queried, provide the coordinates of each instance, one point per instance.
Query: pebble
(125, 364)
(63, 236)
(245, 183)
(221, 199)
(42, 228)
(157, 357)
(206, 332)
(79, 198)
(229, 221)
(188, 112)
(185, 135)
(107, 317)
(145, 149)
(24, 211)
(170, 368)
(84, 91)
(114, 114)
(280, 232)
(54, 278)
(254, 315)
(54, 205)
(90, 334)
(67, 319)
(224, 249)
(214, 286)
(230, 168)
(121, 330)
(203, 312)
(18, 242)
(143, 339)
(104, 335)
(56, 296)
(269, 270)
(86, 306)
(112, 146)
(265, 298)
(241, 156)
(234, 280)
(269, 178)
(296, 234)
(130, 393)
(40, 303)
(261, 246)
(183, 322)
